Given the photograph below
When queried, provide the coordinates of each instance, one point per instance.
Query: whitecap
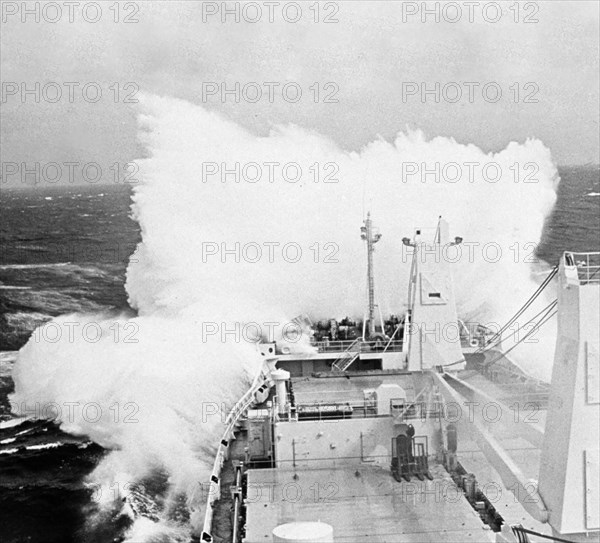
(13, 422)
(44, 446)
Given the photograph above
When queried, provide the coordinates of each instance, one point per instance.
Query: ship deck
(346, 388)
(490, 483)
(362, 503)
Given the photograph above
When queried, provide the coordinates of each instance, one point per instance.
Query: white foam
(14, 422)
(44, 446)
(172, 373)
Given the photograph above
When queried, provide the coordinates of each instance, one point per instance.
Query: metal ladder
(345, 360)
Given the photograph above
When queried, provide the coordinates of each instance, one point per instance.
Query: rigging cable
(488, 346)
(532, 298)
(543, 321)
(538, 325)
(520, 530)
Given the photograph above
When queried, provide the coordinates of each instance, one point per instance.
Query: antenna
(371, 236)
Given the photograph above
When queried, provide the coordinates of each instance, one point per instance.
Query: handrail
(412, 409)
(345, 364)
(237, 503)
(347, 357)
(342, 345)
(408, 406)
(335, 345)
(587, 265)
(392, 338)
(214, 490)
(405, 332)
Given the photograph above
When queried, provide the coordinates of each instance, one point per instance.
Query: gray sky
(368, 57)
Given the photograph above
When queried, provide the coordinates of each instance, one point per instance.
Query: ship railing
(237, 503)
(418, 411)
(474, 335)
(400, 409)
(528, 401)
(361, 346)
(320, 461)
(360, 460)
(419, 408)
(338, 409)
(507, 375)
(393, 342)
(587, 265)
(239, 409)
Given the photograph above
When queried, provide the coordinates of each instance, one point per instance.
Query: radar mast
(371, 235)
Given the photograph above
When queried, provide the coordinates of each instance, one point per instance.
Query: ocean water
(63, 250)
(66, 250)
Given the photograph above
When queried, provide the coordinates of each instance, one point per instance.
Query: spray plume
(312, 261)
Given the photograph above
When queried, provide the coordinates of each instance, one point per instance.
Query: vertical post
(361, 447)
(293, 452)
(368, 225)
(371, 238)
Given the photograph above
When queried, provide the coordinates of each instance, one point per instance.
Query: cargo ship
(387, 432)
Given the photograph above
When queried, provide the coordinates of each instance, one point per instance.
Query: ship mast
(369, 234)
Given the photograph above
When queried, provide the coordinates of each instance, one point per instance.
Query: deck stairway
(345, 360)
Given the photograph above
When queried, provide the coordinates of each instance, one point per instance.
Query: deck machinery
(424, 439)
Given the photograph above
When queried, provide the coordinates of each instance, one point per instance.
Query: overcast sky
(547, 72)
